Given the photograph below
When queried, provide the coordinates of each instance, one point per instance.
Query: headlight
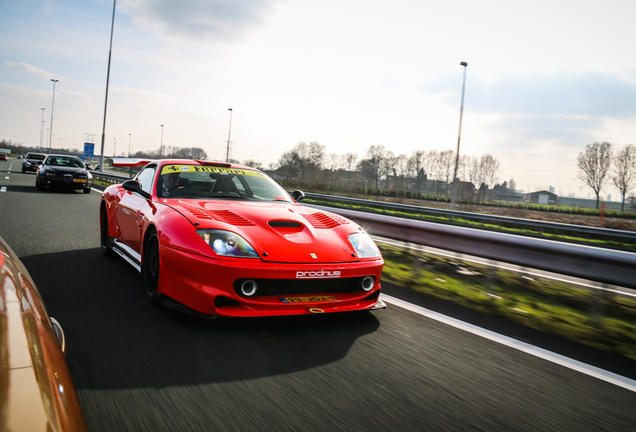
(226, 243)
(364, 246)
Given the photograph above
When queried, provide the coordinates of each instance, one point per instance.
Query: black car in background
(63, 171)
(32, 161)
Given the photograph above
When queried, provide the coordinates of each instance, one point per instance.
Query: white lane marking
(3, 189)
(6, 178)
(567, 362)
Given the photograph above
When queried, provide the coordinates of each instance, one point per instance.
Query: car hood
(65, 170)
(280, 232)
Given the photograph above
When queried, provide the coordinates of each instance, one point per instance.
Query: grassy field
(594, 317)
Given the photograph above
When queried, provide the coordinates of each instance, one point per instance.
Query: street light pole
(114, 147)
(459, 135)
(42, 129)
(52, 107)
(110, 50)
(129, 141)
(227, 155)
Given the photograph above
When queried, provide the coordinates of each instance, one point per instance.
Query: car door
(129, 209)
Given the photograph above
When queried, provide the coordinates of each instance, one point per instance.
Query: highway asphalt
(138, 367)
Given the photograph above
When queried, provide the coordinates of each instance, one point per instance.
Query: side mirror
(298, 195)
(135, 186)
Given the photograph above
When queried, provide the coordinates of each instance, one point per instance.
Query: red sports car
(218, 239)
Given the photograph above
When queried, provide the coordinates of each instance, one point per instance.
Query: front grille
(275, 287)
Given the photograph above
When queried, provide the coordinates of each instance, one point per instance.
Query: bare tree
(624, 176)
(490, 168)
(395, 167)
(350, 160)
(335, 161)
(304, 162)
(254, 164)
(415, 168)
(512, 186)
(446, 166)
(474, 174)
(433, 168)
(463, 168)
(594, 163)
(374, 165)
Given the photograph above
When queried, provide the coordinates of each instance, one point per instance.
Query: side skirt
(124, 251)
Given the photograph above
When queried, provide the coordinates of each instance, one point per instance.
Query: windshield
(35, 156)
(196, 181)
(64, 161)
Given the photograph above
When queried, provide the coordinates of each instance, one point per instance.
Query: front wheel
(87, 190)
(103, 234)
(151, 269)
(39, 184)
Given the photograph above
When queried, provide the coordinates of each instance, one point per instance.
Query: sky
(544, 78)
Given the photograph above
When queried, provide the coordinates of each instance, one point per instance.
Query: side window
(238, 184)
(145, 178)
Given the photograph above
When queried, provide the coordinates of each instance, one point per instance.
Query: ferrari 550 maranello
(217, 239)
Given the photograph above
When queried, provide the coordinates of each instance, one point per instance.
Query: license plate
(79, 180)
(312, 299)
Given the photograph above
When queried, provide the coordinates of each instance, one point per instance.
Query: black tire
(151, 269)
(23, 170)
(103, 234)
(39, 184)
(87, 190)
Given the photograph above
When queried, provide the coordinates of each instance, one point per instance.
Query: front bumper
(208, 286)
(61, 182)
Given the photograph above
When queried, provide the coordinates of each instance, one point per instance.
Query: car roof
(135, 162)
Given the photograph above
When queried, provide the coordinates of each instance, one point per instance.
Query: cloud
(192, 20)
(589, 94)
(25, 67)
(592, 94)
(519, 110)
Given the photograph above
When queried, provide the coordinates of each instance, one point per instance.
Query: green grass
(591, 317)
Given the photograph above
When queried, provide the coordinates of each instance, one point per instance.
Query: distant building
(542, 197)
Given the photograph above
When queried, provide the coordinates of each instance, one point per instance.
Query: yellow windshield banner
(170, 169)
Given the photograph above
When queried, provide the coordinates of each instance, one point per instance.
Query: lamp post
(52, 107)
(42, 129)
(129, 141)
(114, 147)
(459, 135)
(161, 145)
(110, 50)
(227, 155)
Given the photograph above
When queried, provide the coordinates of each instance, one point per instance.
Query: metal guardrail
(628, 237)
(596, 264)
(109, 178)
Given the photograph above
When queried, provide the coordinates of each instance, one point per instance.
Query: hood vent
(322, 220)
(229, 218)
(198, 213)
(224, 216)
